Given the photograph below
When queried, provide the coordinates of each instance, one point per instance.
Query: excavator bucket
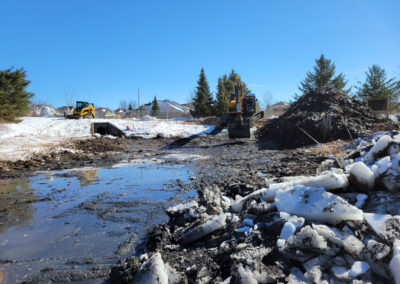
(239, 130)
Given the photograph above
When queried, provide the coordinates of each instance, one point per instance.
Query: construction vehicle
(82, 110)
(242, 111)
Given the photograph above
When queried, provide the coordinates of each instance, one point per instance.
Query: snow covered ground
(41, 134)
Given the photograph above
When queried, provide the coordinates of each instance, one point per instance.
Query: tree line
(203, 102)
(15, 100)
(375, 86)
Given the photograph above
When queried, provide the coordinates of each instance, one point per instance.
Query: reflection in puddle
(79, 222)
(15, 202)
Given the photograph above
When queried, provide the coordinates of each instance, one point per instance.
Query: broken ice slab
(202, 230)
(386, 226)
(315, 204)
(329, 181)
(152, 271)
(350, 244)
(378, 148)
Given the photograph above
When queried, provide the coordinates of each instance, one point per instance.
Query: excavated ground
(237, 166)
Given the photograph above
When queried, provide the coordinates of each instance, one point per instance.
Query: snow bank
(41, 134)
(315, 204)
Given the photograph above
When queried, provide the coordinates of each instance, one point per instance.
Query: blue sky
(105, 50)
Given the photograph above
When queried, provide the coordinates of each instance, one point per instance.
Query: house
(168, 109)
(120, 113)
(278, 108)
(100, 112)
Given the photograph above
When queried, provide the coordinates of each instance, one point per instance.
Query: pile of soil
(325, 114)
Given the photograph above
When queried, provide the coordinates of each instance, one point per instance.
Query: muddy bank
(81, 153)
(302, 234)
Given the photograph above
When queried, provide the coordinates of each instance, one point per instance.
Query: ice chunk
(316, 204)
(377, 250)
(358, 268)
(287, 231)
(280, 243)
(360, 199)
(182, 207)
(153, 271)
(329, 181)
(386, 226)
(362, 177)
(379, 147)
(340, 272)
(246, 276)
(308, 238)
(196, 233)
(247, 222)
(383, 164)
(238, 205)
(395, 262)
(349, 243)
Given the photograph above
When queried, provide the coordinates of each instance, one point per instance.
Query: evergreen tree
(14, 100)
(235, 78)
(323, 75)
(130, 108)
(222, 97)
(377, 86)
(155, 109)
(203, 100)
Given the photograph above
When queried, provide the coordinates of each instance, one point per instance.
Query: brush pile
(323, 115)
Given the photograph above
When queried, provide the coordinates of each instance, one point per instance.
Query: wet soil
(236, 166)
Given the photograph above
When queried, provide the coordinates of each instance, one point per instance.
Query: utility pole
(138, 100)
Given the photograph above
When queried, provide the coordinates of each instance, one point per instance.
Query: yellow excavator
(242, 111)
(82, 110)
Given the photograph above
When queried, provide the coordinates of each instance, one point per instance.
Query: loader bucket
(239, 131)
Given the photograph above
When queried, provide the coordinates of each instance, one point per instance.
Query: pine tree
(203, 100)
(155, 109)
(14, 100)
(222, 97)
(235, 78)
(323, 75)
(377, 86)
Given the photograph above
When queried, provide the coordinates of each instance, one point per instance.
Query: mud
(236, 167)
(82, 153)
(323, 115)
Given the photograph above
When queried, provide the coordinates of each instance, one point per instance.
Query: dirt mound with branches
(323, 115)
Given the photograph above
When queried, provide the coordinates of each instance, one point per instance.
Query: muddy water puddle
(72, 225)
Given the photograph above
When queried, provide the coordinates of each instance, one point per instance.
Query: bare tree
(123, 104)
(267, 100)
(69, 96)
(131, 107)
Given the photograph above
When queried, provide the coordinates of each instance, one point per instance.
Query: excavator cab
(242, 110)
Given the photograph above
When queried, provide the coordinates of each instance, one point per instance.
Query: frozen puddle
(83, 220)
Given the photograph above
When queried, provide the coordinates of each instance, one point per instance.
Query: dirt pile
(325, 114)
